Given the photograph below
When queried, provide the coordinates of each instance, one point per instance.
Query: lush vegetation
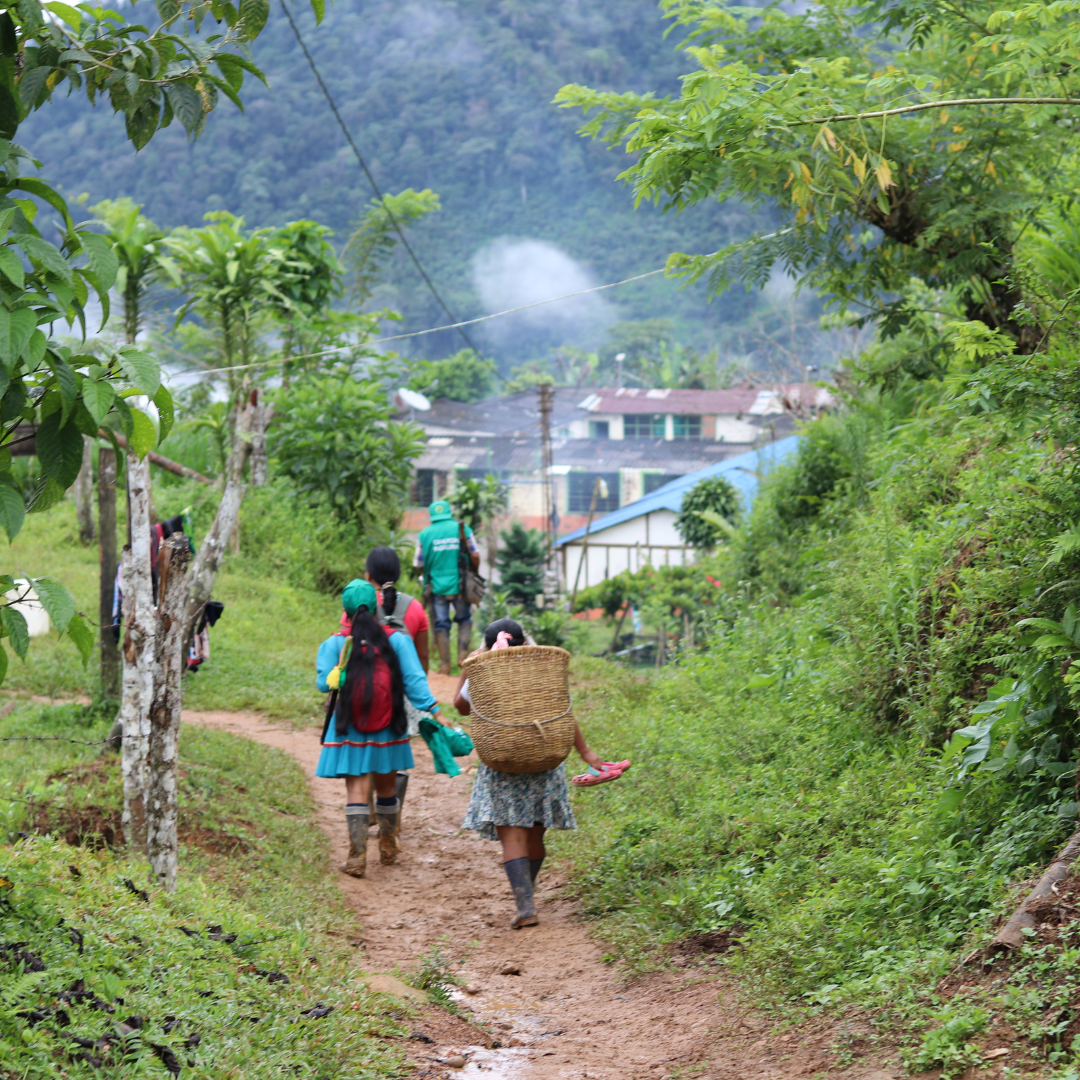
(881, 734)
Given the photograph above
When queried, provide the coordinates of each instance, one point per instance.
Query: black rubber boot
(534, 868)
(402, 787)
(357, 819)
(517, 870)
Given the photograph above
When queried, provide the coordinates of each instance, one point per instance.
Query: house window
(424, 487)
(643, 426)
(654, 480)
(599, 429)
(687, 427)
(580, 490)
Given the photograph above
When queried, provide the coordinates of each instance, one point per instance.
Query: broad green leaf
(124, 412)
(12, 511)
(59, 449)
(65, 379)
(187, 104)
(11, 267)
(319, 7)
(47, 194)
(46, 495)
(56, 600)
(166, 412)
(143, 436)
(757, 681)
(1060, 768)
(3, 664)
(34, 350)
(31, 85)
(143, 122)
(14, 624)
(82, 636)
(29, 15)
(41, 251)
(1050, 641)
(1048, 625)
(23, 323)
(254, 14)
(140, 369)
(950, 800)
(7, 357)
(98, 398)
(70, 15)
(101, 259)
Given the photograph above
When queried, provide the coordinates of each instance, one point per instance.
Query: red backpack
(381, 711)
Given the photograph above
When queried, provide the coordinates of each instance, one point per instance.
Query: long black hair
(369, 643)
(517, 635)
(384, 568)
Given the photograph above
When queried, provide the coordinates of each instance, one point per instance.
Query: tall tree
(152, 75)
(135, 242)
(896, 140)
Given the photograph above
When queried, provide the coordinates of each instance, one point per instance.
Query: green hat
(358, 593)
(440, 510)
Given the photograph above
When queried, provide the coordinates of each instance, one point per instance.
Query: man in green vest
(438, 549)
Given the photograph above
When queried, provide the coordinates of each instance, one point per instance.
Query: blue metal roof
(741, 471)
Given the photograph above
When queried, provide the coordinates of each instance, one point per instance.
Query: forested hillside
(451, 96)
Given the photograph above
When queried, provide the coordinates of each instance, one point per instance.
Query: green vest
(440, 545)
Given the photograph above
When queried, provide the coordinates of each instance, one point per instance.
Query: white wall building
(643, 532)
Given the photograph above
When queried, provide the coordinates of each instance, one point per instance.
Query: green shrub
(298, 541)
(947, 1047)
(708, 509)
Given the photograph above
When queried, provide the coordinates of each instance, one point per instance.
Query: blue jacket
(416, 684)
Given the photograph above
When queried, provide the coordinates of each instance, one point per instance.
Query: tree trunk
(161, 818)
(262, 414)
(213, 546)
(140, 649)
(110, 655)
(84, 494)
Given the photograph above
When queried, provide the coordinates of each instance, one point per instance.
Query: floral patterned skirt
(524, 799)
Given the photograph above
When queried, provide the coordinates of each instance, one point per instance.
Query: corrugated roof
(632, 400)
(523, 455)
(742, 471)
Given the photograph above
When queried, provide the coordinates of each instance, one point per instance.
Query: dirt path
(567, 1015)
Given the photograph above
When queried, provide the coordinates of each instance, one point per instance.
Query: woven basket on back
(521, 716)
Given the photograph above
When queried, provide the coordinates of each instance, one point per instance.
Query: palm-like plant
(136, 240)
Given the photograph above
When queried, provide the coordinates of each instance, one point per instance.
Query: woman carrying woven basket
(374, 670)
(513, 803)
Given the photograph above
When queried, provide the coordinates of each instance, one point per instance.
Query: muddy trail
(544, 993)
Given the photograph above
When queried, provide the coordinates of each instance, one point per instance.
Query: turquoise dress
(361, 752)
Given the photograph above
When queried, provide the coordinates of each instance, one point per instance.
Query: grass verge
(246, 971)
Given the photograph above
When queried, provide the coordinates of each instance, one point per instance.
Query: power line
(430, 330)
(375, 187)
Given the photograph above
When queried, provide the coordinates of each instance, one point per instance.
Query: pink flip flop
(610, 771)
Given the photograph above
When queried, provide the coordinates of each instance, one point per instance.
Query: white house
(643, 532)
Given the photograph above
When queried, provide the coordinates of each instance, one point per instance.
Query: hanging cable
(371, 180)
(420, 333)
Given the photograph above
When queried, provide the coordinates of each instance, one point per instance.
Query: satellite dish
(414, 399)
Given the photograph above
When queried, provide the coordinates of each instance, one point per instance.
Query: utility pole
(551, 576)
